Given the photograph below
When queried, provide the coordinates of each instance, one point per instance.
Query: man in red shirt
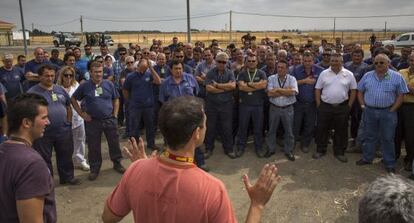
(169, 187)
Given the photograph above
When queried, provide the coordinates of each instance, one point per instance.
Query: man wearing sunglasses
(252, 83)
(220, 83)
(380, 94)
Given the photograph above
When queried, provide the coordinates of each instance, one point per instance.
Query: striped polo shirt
(382, 93)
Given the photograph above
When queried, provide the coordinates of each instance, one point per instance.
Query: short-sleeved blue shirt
(98, 106)
(140, 89)
(226, 77)
(58, 99)
(13, 81)
(382, 93)
(170, 89)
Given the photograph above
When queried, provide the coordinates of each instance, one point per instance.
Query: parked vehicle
(66, 39)
(406, 39)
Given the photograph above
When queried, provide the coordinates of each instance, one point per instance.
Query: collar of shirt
(342, 72)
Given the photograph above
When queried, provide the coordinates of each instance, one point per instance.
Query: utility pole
(32, 27)
(188, 22)
(385, 30)
(81, 24)
(24, 30)
(230, 27)
(334, 28)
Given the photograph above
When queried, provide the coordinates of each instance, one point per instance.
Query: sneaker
(290, 156)
(84, 166)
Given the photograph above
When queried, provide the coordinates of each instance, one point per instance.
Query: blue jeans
(305, 120)
(380, 126)
(256, 114)
(277, 115)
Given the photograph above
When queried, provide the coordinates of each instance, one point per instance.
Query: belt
(378, 108)
(338, 104)
(282, 107)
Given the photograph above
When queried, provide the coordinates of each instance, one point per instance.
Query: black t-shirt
(24, 175)
(256, 97)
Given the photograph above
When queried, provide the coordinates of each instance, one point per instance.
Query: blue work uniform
(98, 103)
(219, 111)
(141, 105)
(58, 134)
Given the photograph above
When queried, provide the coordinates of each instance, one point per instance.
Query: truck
(406, 39)
(66, 39)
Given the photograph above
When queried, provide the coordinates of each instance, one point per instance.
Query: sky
(59, 15)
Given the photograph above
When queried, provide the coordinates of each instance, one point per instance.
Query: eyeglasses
(145, 53)
(251, 61)
(222, 62)
(68, 75)
(122, 54)
(179, 56)
(380, 62)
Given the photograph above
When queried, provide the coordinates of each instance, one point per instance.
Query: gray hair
(284, 52)
(222, 56)
(384, 56)
(388, 199)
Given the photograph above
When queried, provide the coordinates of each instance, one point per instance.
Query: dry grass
(224, 37)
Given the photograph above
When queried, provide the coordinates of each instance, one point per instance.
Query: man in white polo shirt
(334, 102)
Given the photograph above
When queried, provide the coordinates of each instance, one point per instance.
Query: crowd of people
(280, 93)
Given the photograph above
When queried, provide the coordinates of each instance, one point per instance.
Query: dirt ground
(323, 190)
(311, 190)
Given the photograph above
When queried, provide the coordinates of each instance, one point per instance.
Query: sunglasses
(179, 56)
(380, 62)
(122, 54)
(251, 61)
(145, 53)
(222, 62)
(68, 75)
(130, 62)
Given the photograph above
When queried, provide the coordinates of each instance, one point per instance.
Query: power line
(322, 17)
(154, 20)
(58, 24)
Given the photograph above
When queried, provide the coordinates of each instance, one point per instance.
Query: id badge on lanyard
(98, 91)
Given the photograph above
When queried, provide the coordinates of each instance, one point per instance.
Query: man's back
(159, 191)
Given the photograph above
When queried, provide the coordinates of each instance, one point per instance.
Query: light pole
(188, 22)
(24, 30)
